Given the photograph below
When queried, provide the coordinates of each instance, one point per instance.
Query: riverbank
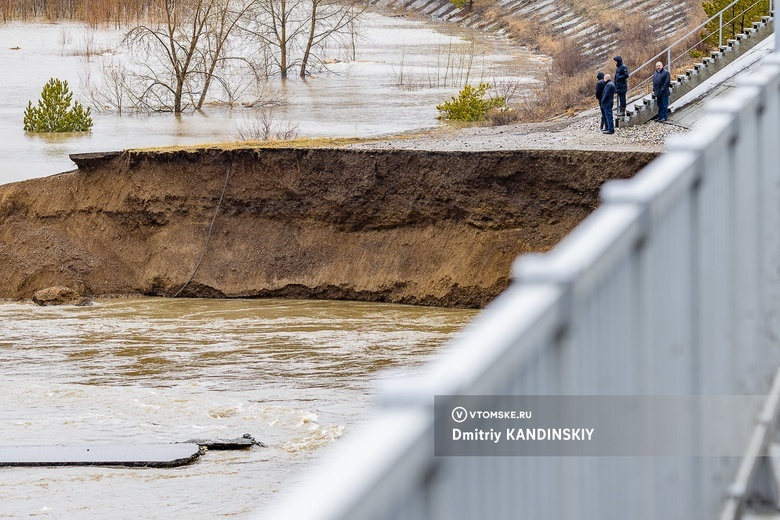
(578, 132)
(405, 226)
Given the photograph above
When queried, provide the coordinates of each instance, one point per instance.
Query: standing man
(661, 81)
(607, 101)
(599, 94)
(621, 84)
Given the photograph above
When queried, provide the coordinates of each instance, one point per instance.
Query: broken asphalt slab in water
(242, 443)
(163, 455)
(131, 455)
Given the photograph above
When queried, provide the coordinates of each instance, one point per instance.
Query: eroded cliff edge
(434, 228)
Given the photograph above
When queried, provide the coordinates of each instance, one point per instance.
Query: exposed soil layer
(419, 227)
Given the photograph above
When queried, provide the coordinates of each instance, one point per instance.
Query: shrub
(470, 105)
(54, 112)
(264, 127)
(741, 15)
(502, 116)
(569, 60)
(555, 95)
(696, 54)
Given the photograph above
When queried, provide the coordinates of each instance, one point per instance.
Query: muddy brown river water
(298, 375)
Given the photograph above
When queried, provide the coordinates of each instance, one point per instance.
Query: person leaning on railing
(661, 82)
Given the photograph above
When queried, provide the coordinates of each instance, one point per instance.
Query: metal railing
(671, 287)
(678, 53)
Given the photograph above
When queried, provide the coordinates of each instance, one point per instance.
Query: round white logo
(459, 414)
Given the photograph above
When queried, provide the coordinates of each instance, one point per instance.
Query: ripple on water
(296, 375)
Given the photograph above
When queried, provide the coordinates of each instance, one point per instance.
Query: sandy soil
(420, 227)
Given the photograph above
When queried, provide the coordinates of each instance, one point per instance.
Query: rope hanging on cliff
(208, 237)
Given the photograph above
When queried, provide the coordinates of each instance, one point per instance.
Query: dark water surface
(296, 374)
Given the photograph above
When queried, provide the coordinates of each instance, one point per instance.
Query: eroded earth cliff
(433, 228)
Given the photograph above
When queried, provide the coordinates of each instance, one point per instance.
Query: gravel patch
(580, 132)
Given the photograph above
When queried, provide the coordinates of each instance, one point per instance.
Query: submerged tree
(54, 112)
(294, 29)
(327, 19)
(198, 47)
(179, 57)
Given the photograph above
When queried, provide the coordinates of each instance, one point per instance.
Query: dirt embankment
(433, 228)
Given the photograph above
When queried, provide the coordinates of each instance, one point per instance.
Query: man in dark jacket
(621, 84)
(661, 81)
(599, 93)
(607, 101)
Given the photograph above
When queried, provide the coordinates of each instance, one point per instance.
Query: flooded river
(295, 374)
(399, 71)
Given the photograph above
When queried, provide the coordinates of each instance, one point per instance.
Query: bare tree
(277, 24)
(294, 28)
(263, 126)
(217, 40)
(328, 18)
(196, 48)
(177, 59)
(112, 93)
(170, 50)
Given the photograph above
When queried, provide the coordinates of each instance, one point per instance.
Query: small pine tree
(470, 106)
(54, 112)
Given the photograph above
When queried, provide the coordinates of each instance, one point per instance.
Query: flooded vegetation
(374, 87)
